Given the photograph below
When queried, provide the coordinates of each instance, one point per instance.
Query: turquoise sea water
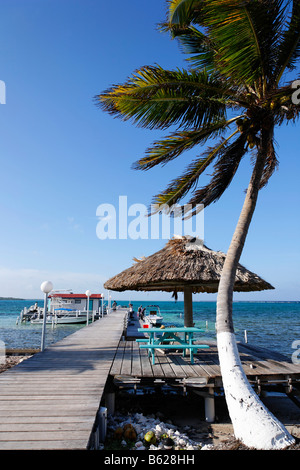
(273, 325)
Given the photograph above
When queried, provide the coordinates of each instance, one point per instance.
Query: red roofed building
(70, 301)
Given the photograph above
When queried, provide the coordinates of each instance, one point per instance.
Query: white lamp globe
(88, 293)
(46, 287)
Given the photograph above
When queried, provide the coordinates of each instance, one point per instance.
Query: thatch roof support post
(188, 307)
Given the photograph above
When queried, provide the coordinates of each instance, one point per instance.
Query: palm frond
(179, 187)
(289, 48)
(183, 11)
(174, 145)
(241, 38)
(181, 23)
(246, 33)
(271, 164)
(224, 170)
(158, 98)
(197, 46)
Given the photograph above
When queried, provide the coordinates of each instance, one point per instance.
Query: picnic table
(161, 338)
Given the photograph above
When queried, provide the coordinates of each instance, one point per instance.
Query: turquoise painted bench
(151, 348)
(162, 341)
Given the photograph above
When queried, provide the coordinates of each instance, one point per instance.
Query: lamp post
(46, 287)
(87, 293)
(102, 307)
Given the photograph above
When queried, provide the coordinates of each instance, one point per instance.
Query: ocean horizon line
(158, 301)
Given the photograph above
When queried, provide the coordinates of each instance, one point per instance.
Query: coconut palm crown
(232, 92)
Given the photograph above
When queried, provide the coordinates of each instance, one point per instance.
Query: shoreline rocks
(11, 361)
(161, 433)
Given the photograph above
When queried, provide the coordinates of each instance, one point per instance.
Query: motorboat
(64, 318)
(28, 313)
(153, 317)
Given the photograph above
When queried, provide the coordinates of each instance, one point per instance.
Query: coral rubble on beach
(160, 430)
(151, 425)
(11, 361)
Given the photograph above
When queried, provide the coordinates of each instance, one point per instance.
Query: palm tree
(231, 99)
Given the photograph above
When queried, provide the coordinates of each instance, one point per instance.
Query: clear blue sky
(61, 157)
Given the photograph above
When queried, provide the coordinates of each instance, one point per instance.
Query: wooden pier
(262, 367)
(265, 370)
(51, 400)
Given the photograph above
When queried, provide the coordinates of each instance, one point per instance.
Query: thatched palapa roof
(183, 263)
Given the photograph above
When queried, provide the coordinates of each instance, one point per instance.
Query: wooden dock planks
(261, 364)
(50, 401)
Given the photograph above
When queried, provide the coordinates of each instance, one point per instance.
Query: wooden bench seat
(192, 347)
(174, 346)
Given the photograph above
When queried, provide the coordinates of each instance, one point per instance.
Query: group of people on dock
(140, 312)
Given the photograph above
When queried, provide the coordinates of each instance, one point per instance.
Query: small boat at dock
(63, 319)
(28, 313)
(154, 317)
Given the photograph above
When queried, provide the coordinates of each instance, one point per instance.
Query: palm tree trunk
(253, 423)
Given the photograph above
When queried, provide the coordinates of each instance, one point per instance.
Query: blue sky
(61, 157)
